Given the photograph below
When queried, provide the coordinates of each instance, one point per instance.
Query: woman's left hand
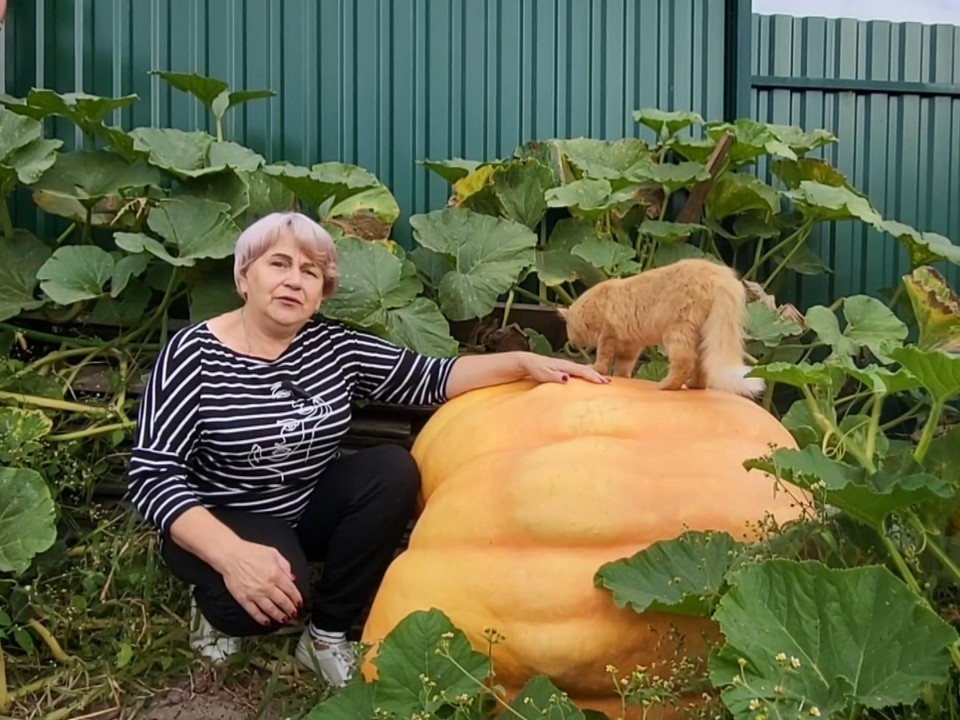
(548, 369)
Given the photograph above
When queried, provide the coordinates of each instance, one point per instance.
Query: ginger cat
(694, 308)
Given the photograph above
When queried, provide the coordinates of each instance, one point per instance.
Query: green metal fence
(387, 83)
(891, 93)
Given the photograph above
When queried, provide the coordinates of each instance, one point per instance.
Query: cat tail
(722, 346)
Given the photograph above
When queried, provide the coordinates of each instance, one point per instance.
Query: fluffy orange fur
(693, 308)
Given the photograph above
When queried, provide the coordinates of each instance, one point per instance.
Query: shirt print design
(297, 430)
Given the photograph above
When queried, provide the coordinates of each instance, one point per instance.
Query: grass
(117, 620)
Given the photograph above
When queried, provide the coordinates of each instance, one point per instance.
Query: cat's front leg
(606, 353)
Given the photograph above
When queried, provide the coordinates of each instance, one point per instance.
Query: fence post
(737, 47)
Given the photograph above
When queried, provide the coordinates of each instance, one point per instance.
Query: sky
(924, 11)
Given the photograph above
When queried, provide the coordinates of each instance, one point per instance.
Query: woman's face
(285, 284)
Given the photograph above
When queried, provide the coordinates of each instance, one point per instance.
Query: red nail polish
(564, 377)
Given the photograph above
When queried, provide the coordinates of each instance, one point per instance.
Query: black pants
(353, 524)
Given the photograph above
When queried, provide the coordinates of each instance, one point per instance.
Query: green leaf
(587, 198)
(859, 637)
(520, 188)
(354, 701)
(192, 154)
(24, 154)
(26, 518)
(669, 176)
(540, 699)
(421, 327)
(736, 193)
(20, 258)
(128, 310)
(408, 654)
(793, 172)
(604, 159)
(765, 325)
(320, 183)
(90, 176)
(668, 232)
(800, 374)
(666, 123)
(266, 195)
(20, 433)
(194, 228)
(227, 187)
(799, 420)
(205, 89)
(695, 149)
(943, 457)
(605, 253)
(373, 280)
(239, 97)
(452, 170)
(924, 247)
(376, 203)
(826, 203)
(879, 379)
(752, 140)
(684, 575)
(936, 308)
(800, 141)
(802, 259)
(669, 254)
(74, 273)
(431, 266)
(870, 324)
(868, 499)
(212, 294)
(488, 255)
(556, 263)
(939, 372)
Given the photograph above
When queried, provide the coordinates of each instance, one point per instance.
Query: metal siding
(382, 83)
(901, 149)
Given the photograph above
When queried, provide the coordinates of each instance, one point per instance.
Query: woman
(236, 457)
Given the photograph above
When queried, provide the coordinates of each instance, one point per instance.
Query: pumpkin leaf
(409, 654)
(195, 228)
(765, 325)
(880, 380)
(668, 254)
(870, 324)
(588, 198)
(943, 456)
(266, 195)
(20, 433)
(736, 193)
(24, 154)
(374, 203)
(752, 140)
(540, 699)
(669, 176)
(192, 154)
(90, 176)
(695, 149)
(924, 247)
(938, 371)
(684, 575)
(799, 420)
(936, 308)
(357, 699)
(488, 255)
(76, 272)
(374, 281)
(453, 169)
(868, 499)
(520, 188)
(556, 263)
(226, 187)
(793, 172)
(127, 311)
(607, 254)
(800, 374)
(26, 518)
(666, 123)
(318, 184)
(421, 327)
(870, 616)
(20, 258)
(604, 159)
(668, 232)
(821, 202)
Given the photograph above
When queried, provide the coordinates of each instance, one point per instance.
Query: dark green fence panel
(891, 93)
(384, 83)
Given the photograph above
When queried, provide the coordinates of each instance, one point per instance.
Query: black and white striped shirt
(218, 428)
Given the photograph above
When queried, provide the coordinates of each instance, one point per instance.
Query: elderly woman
(236, 458)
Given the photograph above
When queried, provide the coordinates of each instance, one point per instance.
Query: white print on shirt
(294, 431)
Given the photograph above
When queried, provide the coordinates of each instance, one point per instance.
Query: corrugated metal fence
(387, 83)
(891, 93)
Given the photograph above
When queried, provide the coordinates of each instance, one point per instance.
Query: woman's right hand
(260, 579)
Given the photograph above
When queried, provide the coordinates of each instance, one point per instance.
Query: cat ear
(562, 312)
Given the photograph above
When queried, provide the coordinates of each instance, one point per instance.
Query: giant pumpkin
(528, 489)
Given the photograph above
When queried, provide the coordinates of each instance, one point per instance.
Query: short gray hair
(310, 236)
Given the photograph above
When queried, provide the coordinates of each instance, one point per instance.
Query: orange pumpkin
(528, 489)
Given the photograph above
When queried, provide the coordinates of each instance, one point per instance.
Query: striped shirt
(218, 428)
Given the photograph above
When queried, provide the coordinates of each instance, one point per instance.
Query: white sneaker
(209, 642)
(336, 663)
